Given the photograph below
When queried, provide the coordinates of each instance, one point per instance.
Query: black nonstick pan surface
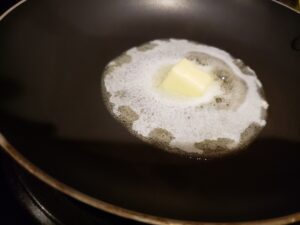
(52, 54)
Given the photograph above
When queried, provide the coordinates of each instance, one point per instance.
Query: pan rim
(111, 208)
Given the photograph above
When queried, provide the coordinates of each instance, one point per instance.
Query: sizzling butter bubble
(226, 118)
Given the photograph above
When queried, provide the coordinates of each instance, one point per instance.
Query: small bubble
(218, 100)
(222, 76)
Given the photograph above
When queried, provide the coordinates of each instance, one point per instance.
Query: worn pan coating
(52, 54)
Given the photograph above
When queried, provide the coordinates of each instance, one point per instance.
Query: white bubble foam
(189, 120)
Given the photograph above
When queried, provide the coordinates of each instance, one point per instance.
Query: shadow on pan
(258, 183)
(51, 59)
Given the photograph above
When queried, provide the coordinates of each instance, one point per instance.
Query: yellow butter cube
(186, 79)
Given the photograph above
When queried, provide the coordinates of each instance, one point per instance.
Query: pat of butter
(185, 78)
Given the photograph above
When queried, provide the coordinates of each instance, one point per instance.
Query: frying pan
(55, 125)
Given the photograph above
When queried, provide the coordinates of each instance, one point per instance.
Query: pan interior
(51, 59)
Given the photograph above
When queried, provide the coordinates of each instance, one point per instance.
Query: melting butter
(186, 79)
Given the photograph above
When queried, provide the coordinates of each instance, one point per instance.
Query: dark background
(11, 211)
